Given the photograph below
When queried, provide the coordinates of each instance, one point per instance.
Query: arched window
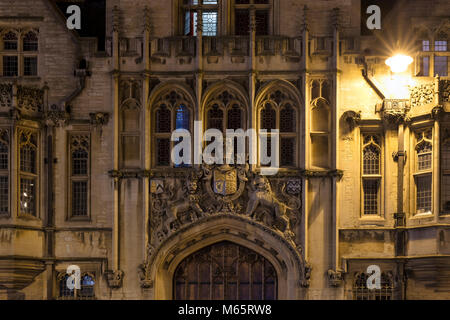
(30, 42)
(424, 171)
(279, 111)
(371, 174)
(225, 111)
(4, 172)
(10, 41)
(320, 133)
(130, 134)
(28, 172)
(361, 292)
(171, 112)
(225, 271)
(79, 175)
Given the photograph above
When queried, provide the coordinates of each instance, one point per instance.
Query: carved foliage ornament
(30, 99)
(422, 95)
(444, 88)
(6, 93)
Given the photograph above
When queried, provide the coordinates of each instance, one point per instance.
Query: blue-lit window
(182, 121)
(182, 118)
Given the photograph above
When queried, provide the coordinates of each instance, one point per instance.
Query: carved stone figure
(260, 194)
(190, 201)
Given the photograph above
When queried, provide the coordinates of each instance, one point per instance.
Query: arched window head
(225, 110)
(371, 156)
(10, 41)
(268, 117)
(315, 90)
(287, 119)
(163, 123)
(320, 116)
(235, 117)
(30, 41)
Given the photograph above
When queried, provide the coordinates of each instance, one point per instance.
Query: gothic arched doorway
(225, 271)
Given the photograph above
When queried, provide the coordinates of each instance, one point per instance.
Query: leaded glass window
(79, 174)
(278, 111)
(242, 16)
(226, 111)
(10, 41)
(172, 111)
(30, 42)
(371, 174)
(85, 292)
(28, 172)
(4, 172)
(445, 172)
(362, 292)
(209, 17)
(423, 172)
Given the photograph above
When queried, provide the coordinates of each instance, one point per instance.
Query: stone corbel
(352, 118)
(335, 277)
(56, 117)
(437, 113)
(114, 278)
(307, 276)
(144, 276)
(99, 119)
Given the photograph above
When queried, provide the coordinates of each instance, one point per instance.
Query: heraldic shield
(225, 181)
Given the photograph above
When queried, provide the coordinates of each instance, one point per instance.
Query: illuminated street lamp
(399, 63)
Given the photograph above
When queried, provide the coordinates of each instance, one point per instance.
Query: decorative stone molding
(323, 174)
(114, 278)
(335, 277)
(352, 118)
(56, 117)
(6, 95)
(296, 251)
(144, 276)
(444, 88)
(422, 94)
(99, 118)
(180, 201)
(30, 99)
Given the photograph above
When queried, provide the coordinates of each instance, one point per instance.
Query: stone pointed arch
(161, 88)
(224, 85)
(295, 95)
(285, 256)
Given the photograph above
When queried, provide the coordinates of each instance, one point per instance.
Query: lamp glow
(399, 63)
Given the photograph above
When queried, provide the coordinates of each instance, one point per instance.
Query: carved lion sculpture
(187, 202)
(261, 194)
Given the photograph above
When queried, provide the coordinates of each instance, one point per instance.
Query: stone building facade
(86, 177)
